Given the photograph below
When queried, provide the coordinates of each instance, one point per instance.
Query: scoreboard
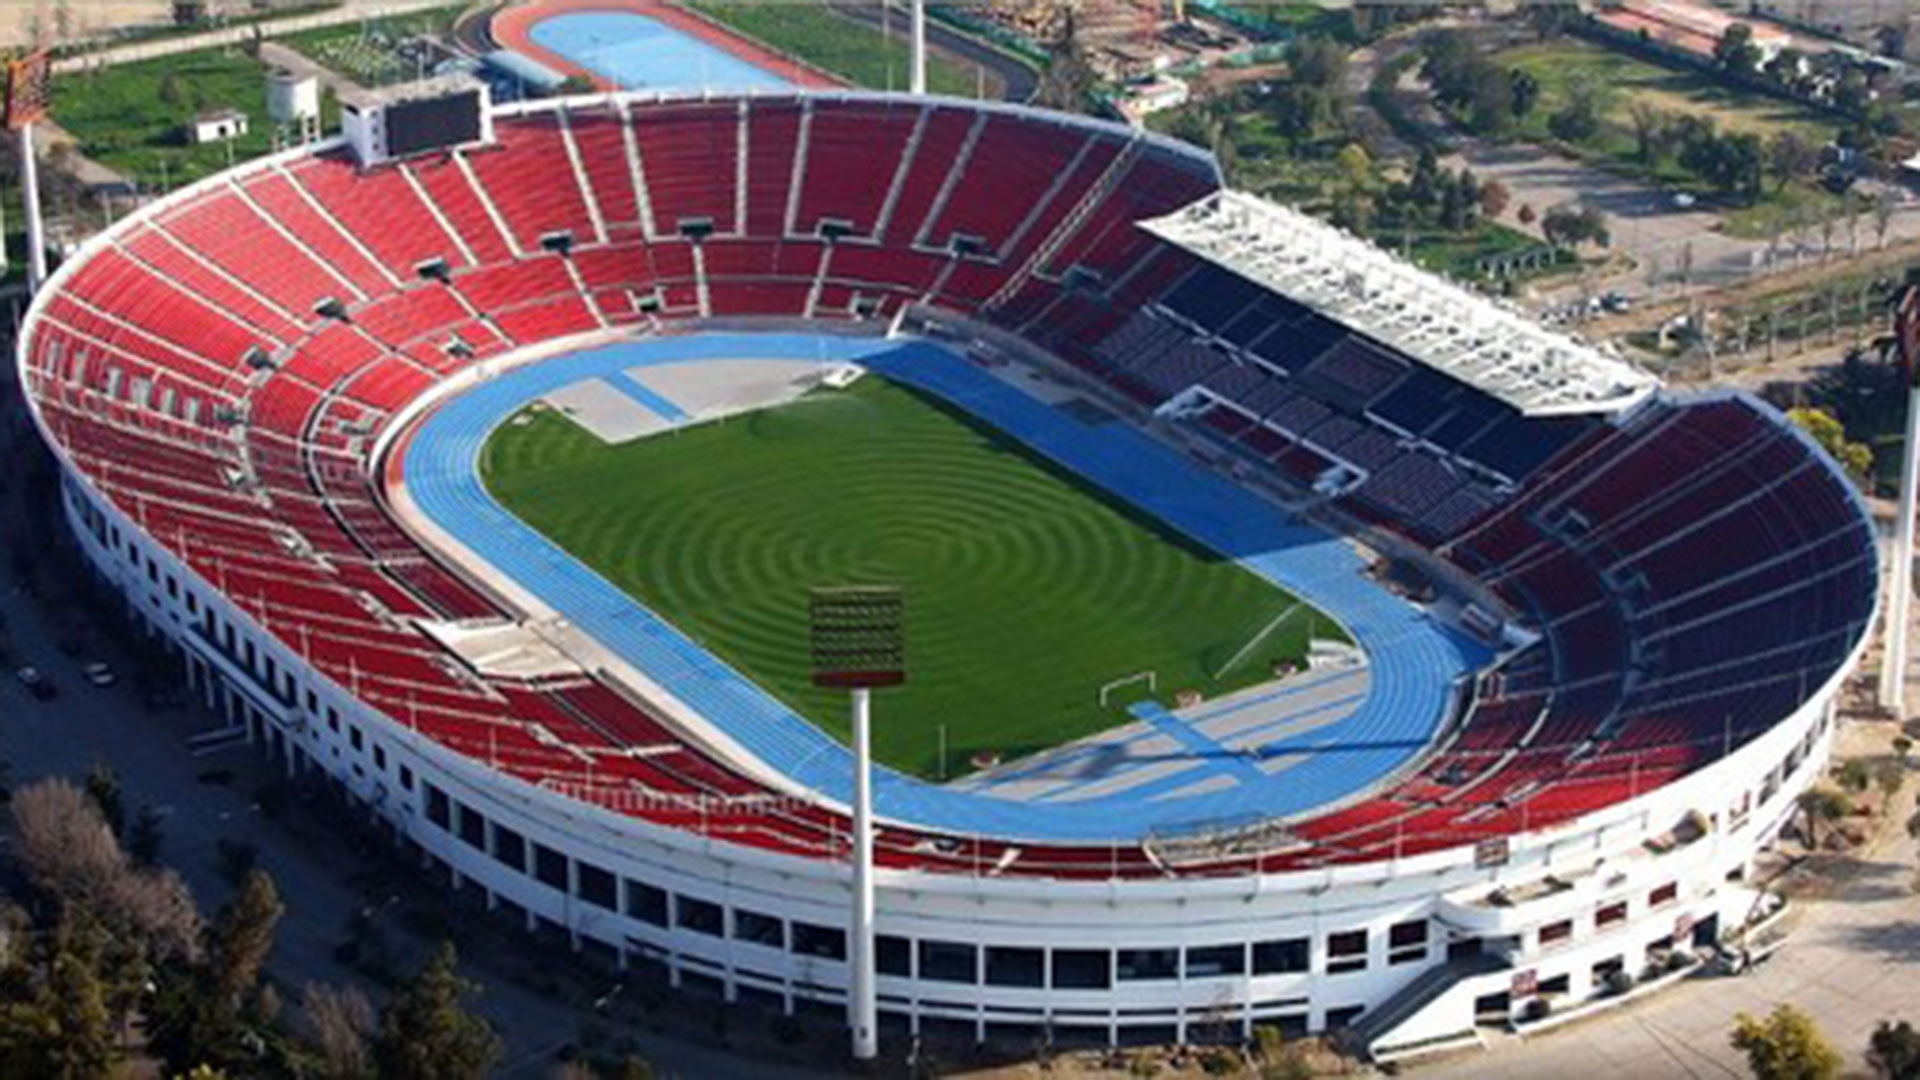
(399, 122)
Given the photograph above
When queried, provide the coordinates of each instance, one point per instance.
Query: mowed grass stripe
(1027, 589)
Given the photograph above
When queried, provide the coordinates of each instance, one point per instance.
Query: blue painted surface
(647, 396)
(1415, 661)
(636, 51)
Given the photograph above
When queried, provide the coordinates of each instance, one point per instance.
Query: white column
(30, 194)
(1893, 665)
(862, 1010)
(919, 77)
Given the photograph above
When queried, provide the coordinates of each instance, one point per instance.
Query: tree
(1785, 1046)
(211, 1012)
(1649, 123)
(1888, 776)
(145, 837)
(1423, 187)
(341, 1022)
(426, 1032)
(1894, 1051)
(1736, 51)
(1526, 93)
(1831, 435)
(241, 937)
(1573, 226)
(1587, 98)
(1319, 62)
(1821, 806)
(1790, 157)
(1356, 166)
(1494, 198)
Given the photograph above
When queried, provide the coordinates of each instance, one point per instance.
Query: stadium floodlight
(859, 643)
(27, 90)
(1893, 664)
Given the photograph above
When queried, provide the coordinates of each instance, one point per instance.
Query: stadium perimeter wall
(685, 906)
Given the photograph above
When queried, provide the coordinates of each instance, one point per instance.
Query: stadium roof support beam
(1484, 343)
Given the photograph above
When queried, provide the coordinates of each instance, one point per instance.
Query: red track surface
(513, 29)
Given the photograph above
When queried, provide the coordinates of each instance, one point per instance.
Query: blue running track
(1415, 661)
(638, 52)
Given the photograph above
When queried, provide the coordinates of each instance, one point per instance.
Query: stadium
(1295, 637)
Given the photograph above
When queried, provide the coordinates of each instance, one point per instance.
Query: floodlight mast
(26, 104)
(858, 637)
(918, 76)
(1893, 662)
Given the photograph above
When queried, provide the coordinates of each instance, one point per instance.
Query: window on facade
(1407, 942)
(379, 757)
(646, 903)
(1007, 966)
(1610, 914)
(699, 916)
(406, 778)
(355, 739)
(1665, 894)
(892, 955)
(1556, 933)
(759, 929)
(1281, 956)
(550, 867)
(1346, 951)
(1209, 960)
(510, 848)
(949, 961)
(439, 807)
(1082, 969)
(1140, 965)
(473, 828)
(826, 942)
(597, 886)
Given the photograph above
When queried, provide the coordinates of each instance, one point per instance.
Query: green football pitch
(1027, 590)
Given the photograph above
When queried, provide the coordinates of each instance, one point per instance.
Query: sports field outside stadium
(1027, 589)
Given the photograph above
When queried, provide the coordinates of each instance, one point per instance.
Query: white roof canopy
(1448, 327)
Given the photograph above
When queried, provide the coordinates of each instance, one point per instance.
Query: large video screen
(430, 123)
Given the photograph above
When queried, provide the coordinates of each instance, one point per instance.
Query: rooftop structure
(1430, 319)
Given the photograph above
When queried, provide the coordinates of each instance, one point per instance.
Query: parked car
(99, 674)
(35, 683)
(1684, 200)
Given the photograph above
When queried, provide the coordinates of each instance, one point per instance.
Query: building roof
(1448, 327)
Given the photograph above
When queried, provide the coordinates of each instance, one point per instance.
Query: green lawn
(1675, 90)
(1026, 589)
(851, 50)
(133, 117)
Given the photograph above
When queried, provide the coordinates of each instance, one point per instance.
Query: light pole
(858, 637)
(1893, 665)
(26, 104)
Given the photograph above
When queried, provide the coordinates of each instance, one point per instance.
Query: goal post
(1152, 679)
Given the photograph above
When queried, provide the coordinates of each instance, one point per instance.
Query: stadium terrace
(1601, 625)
